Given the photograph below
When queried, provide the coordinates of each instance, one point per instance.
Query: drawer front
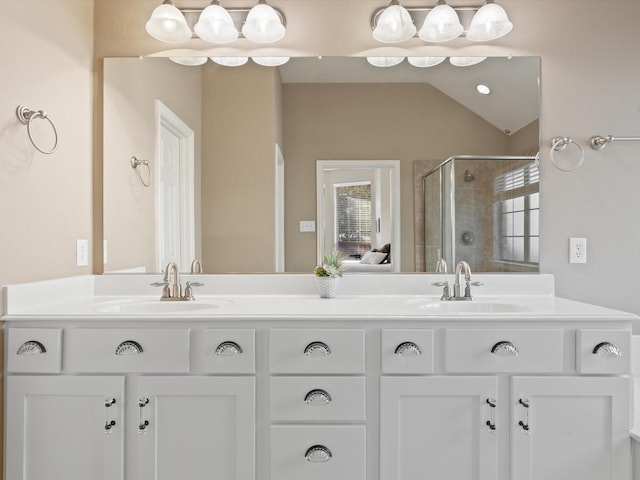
(318, 452)
(603, 351)
(34, 350)
(226, 351)
(311, 399)
(316, 351)
(407, 351)
(503, 351)
(129, 350)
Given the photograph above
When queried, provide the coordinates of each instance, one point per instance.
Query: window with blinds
(353, 218)
(517, 216)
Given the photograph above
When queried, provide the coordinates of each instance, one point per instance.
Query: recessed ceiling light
(483, 89)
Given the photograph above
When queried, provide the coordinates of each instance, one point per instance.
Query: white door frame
(165, 118)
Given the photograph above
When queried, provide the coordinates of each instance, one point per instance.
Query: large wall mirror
(254, 137)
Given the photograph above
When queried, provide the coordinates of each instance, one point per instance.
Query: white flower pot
(327, 286)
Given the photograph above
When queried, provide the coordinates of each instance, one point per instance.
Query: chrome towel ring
(560, 143)
(26, 116)
(135, 163)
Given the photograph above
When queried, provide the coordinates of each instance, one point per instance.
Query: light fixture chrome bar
(418, 14)
(598, 142)
(238, 15)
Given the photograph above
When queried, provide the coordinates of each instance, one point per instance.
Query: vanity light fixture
(270, 61)
(489, 23)
(466, 61)
(230, 61)
(263, 24)
(168, 24)
(189, 61)
(394, 24)
(216, 24)
(440, 23)
(385, 61)
(425, 62)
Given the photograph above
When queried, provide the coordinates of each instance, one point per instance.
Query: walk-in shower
(484, 210)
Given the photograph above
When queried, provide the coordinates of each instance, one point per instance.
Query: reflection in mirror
(359, 213)
(253, 125)
(483, 210)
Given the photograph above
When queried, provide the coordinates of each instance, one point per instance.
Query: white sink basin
(156, 307)
(463, 307)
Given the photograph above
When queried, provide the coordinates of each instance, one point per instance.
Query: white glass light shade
(189, 61)
(488, 23)
(230, 61)
(466, 61)
(263, 25)
(424, 62)
(215, 25)
(441, 25)
(394, 25)
(270, 61)
(168, 24)
(384, 61)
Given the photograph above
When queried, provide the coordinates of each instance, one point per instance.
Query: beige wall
(240, 113)
(131, 88)
(46, 57)
(405, 122)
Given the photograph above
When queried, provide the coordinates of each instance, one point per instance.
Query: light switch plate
(307, 226)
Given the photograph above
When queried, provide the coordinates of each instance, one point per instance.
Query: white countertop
(362, 296)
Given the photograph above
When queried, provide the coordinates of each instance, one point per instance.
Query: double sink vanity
(257, 378)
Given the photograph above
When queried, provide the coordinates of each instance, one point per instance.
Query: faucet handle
(188, 292)
(446, 293)
(440, 284)
(159, 284)
(476, 284)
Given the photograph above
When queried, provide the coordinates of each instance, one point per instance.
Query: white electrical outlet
(82, 253)
(577, 250)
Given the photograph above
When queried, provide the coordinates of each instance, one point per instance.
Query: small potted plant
(328, 274)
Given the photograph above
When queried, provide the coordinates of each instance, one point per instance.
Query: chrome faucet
(441, 266)
(196, 266)
(461, 268)
(171, 286)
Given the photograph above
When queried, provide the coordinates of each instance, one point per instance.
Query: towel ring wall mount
(26, 116)
(559, 144)
(135, 163)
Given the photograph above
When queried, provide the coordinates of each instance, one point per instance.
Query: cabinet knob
(317, 397)
(31, 347)
(317, 349)
(318, 454)
(129, 347)
(228, 349)
(607, 349)
(504, 349)
(408, 349)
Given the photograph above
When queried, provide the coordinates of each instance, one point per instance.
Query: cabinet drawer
(318, 452)
(407, 351)
(503, 351)
(316, 351)
(34, 350)
(332, 399)
(603, 351)
(129, 350)
(225, 351)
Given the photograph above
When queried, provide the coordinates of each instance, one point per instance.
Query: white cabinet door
(62, 427)
(198, 427)
(436, 428)
(570, 428)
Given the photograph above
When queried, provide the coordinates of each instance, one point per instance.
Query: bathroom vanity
(259, 378)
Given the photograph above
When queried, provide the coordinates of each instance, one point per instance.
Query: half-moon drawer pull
(228, 349)
(31, 347)
(607, 349)
(129, 347)
(317, 397)
(408, 349)
(318, 454)
(505, 349)
(317, 349)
